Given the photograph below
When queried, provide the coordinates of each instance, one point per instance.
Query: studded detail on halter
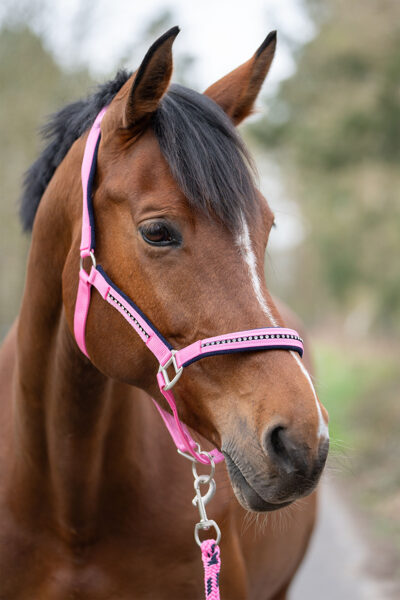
(250, 338)
(130, 315)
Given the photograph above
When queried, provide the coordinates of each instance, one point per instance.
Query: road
(335, 566)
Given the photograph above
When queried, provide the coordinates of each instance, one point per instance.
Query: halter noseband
(267, 338)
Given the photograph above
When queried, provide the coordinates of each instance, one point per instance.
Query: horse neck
(72, 424)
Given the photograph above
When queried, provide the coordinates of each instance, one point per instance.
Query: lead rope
(212, 566)
(210, 552)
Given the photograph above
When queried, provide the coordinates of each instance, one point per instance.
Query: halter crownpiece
(266, 338)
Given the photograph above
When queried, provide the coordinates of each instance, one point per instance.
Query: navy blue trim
(89, 193)
(249, 349)
(134, 306)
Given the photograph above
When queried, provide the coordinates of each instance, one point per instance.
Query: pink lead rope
(266, 338)
(210, 555)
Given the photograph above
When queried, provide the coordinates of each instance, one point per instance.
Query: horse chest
(46, 570)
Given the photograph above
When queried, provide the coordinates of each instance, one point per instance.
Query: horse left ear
(150, 81)
(237, 91)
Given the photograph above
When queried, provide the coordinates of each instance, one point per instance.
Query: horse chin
(252, 502)
(247, 496)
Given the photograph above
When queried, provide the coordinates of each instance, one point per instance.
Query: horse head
(182, 229)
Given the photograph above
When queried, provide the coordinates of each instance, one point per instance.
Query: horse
(95, 502)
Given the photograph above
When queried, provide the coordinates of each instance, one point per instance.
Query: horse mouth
(248, 497)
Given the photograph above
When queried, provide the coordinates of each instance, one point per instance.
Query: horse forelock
(205, 155)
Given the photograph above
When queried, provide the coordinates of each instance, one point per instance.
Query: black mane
(207, 158)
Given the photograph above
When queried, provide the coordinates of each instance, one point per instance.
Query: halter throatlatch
(266, 338)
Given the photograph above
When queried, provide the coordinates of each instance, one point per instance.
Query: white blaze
(244, 242)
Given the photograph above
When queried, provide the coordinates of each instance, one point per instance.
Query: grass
(360, 387)
(347, 381)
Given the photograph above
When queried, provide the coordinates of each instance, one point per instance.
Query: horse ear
(151, 80)
(237, 91)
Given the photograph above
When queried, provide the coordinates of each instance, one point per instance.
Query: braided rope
(210, 555)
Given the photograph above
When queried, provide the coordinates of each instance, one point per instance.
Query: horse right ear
(150, 82)
(237, 91)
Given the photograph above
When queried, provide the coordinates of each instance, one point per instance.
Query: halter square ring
(169, 383)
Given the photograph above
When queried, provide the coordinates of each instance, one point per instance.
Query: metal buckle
(194, 460)
(163, 369)
(197, 449)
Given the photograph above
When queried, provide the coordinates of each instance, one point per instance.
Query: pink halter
(267, 338)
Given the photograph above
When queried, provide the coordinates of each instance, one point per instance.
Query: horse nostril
(282, 450)
(276, 446)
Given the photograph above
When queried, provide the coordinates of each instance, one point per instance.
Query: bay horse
(94, 500)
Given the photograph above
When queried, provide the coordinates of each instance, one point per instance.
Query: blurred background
(326, 140)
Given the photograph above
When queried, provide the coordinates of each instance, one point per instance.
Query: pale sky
(221, 34)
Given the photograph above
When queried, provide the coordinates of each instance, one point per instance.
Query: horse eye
(159, 234)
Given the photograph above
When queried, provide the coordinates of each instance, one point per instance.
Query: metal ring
(92, 256)
(205, 525)
(212, 463)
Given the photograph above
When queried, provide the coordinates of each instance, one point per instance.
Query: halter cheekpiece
(267, 338)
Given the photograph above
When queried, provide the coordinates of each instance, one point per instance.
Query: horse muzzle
(281, 472)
